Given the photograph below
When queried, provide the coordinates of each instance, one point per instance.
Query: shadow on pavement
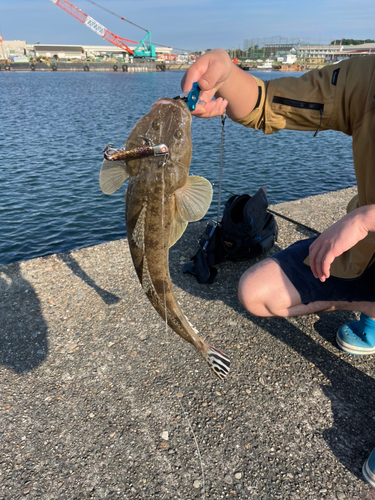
(351, 391)
(107, 297)
(23, 331)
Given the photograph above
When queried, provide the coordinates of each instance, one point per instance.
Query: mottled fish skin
(152, 215)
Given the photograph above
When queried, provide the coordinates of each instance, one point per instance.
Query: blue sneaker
(368, 469)
(357, 337)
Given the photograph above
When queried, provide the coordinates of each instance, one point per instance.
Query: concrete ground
(100, 401)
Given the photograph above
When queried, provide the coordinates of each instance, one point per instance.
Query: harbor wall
(125, 67)
(91, 66)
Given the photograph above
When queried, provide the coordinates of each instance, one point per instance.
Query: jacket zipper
(294, 103)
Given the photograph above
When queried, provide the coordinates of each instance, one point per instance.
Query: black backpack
(246, 231)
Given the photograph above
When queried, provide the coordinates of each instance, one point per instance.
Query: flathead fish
(161, 199)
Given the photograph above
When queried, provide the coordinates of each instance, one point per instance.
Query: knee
(253, 294)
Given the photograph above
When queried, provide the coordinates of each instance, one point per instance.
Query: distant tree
(350, 41)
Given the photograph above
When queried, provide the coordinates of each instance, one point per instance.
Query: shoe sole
(359, 351)
(368, 474)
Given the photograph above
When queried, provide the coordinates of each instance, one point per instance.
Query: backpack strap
(268, 236)
(201, 264)
(199, 268)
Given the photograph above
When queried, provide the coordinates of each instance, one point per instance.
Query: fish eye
(178, 134)
(156, 124)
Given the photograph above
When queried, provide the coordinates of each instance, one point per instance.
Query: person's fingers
(326, 265)
(312, 257)
(211, 108)
(320, 262)
(194, 74)
(209, 72)
(214, 75)
(316, 255)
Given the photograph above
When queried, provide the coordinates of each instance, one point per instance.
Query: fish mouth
(173, 102)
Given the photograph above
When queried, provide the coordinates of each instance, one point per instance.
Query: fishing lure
(112, 154)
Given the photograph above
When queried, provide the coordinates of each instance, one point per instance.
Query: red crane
(98, 28)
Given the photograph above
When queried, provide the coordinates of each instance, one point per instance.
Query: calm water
(55, 125)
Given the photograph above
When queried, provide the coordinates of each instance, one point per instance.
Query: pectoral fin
(194, 198)
(177, 230)
(192, 202)
(112, 176)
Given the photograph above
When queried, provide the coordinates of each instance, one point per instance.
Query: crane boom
(98, 28)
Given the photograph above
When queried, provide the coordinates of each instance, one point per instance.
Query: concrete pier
(101, 401)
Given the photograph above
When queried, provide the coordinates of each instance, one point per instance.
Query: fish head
(167, 122)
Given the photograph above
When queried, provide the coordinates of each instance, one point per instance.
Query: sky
(192, 24)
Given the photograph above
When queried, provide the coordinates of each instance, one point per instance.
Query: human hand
(236, 91)
(210, 71)
(339, 238)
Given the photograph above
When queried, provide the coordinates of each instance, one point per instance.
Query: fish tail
(217, 360)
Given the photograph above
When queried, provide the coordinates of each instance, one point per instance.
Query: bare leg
(264, 290)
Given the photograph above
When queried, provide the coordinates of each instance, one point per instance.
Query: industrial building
(320, 53)
(16, 50)
(355, 50)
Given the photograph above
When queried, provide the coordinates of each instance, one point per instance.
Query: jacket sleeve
(338, 97)
(320, 99)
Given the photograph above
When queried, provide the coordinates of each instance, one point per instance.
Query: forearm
(241, 92)
(366, 217)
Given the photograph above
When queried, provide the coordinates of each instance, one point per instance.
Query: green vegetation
(350, 41)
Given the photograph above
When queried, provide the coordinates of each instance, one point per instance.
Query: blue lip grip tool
(191, 98)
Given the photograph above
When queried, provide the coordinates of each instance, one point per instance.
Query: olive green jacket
(338, 97)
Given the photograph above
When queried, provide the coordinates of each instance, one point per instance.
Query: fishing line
(117, 15)
(162, 237)
(199, 453)
(220, 187)
(223, 117)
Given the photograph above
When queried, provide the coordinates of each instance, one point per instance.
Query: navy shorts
(311, 289)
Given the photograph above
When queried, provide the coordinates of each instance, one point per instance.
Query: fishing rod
(294, 222)
(289, 219)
